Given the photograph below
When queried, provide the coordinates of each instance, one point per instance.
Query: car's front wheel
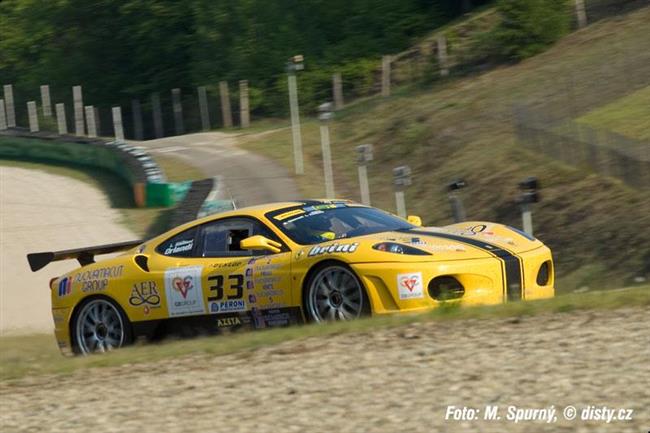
(334, 293)
(99, 326)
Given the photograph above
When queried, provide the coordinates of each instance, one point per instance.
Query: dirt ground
(40, 211)
(391, 380)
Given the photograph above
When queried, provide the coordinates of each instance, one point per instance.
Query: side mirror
(259, 242)
(415, 220)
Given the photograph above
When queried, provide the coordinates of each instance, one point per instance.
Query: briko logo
(65, 286)
(183, 285)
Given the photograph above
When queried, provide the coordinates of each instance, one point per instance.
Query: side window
(181, 245)
(223, 238)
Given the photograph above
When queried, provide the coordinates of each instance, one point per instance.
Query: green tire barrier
(133, 166)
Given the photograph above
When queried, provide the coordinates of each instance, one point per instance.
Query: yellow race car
(287, 263)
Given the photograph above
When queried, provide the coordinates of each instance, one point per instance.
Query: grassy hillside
(464, 128)
(629, 115)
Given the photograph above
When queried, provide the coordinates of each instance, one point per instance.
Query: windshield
(308, 225)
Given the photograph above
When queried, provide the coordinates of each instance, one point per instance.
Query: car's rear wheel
(335, 293)
(100, 325)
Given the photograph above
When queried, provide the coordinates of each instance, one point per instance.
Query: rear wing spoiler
(85, 256)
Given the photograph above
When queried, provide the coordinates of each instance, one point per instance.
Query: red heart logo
(182, 285)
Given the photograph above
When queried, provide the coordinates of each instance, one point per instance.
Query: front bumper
(485, 281)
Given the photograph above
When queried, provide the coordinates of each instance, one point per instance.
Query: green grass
(629, 115)
(143, 221)
(464, 128)
(38, 354)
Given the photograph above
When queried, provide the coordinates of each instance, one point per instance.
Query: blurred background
(490, 92)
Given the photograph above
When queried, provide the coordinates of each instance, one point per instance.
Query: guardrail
(132, 164)
(202, 199)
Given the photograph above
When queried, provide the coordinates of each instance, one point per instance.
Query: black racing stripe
(513, 270)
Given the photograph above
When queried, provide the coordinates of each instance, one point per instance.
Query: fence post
(45, 101)
(98, 125)
(9, 104)
(136, 112)
(78, 110)
(442, 55)
(244, 105)
(581, 14)
(117, 123)
(203, 108)
(226, 113)
(157, 115)
(60, 119)
(33, 116)
(401, 179)
(3, 118)
(325, 116)
(91, 125)
(337, 90)
(364, 156)
(178, 111)
(385, 76)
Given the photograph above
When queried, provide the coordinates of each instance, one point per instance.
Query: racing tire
(99, 325)
(334, 293)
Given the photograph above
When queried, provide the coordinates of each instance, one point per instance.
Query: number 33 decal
(236, 284)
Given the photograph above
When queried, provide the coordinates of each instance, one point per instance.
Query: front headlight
(392, 247)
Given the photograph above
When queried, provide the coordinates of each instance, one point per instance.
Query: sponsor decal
(65, 287)
(228, 321)
(410, 285)
(145, 294)
(97, 280)
(250, 285)
(229, 306)
(183, 291)
(180, 247)
(249, 272)
(227, 265)
(333, 248)
(252, 299)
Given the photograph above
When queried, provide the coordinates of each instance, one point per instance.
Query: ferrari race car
(287, 263)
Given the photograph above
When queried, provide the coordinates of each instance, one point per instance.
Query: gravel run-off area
(392, 380)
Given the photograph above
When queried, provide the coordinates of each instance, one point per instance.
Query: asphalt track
(40, 211)
(249, 178)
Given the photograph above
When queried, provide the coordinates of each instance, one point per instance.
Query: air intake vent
(446, 288)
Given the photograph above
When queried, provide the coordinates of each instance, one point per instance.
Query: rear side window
(181, 245)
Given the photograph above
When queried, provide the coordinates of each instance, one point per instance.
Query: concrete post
(117, 123)
(363, 185)
(400, 203)
(98, 126)
(136, 113)
(33, 116)
(327, 160)
(91, 125)
(178, 112)
(3, 117)
(156, 110)
(9, 104)
(581, 14)
(244, 106)
(442, 55)
(78, 110)
(385, 76)
(203, 108)
(527, 219)
(226, 113)
(295, 124)
(60, 119)
(45, 101)
(337, 90)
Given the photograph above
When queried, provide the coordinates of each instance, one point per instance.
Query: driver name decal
(184, 292)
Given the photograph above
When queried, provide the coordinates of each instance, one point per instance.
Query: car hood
(470, 240)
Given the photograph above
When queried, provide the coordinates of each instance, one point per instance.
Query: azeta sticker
(410, 285)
